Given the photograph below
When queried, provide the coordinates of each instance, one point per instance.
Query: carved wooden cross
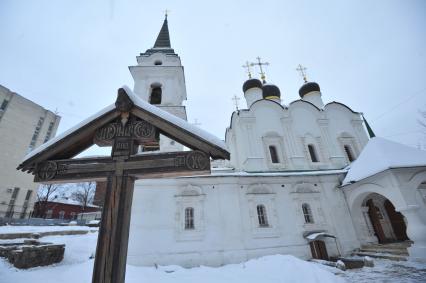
(125, 127)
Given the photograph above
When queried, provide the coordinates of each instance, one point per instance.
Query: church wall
(226, 223)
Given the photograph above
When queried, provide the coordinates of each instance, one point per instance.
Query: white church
(305, 178)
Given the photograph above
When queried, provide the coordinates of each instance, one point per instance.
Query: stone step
(403, 252)
(382, 255)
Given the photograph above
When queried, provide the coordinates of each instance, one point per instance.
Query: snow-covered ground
(77, 267)
(38, 229)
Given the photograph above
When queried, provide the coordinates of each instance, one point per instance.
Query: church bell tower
(160, 80)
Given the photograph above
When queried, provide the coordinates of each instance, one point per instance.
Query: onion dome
(270, 91)
(307, 88)
(251, 83)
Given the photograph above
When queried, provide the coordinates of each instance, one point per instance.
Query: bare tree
(84, 193)
(45, 193)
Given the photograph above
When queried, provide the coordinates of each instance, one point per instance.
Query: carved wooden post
(111, 251)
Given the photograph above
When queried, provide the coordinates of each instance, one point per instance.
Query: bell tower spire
(160, 80)
(163, 38)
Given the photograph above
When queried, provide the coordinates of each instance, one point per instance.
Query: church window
(189, 218)
(349, 154)
(313, 153)
(274, 155)
(307, 213)
(261, 216)
(158, 62)
(155, 97)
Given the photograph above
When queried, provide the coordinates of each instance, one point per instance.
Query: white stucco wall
(226, 225)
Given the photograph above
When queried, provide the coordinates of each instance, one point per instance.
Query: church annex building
(305, 178)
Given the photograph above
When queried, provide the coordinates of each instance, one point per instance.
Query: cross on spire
(260, 64)
(196, 123)
(235, 98)
(166, 13)
(302, 71)
(247, 67)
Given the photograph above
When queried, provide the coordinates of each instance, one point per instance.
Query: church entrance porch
(387, 224)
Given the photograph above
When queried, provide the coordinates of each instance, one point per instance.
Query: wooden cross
(235, 98)
(302, 71)
(260, 64)
(247, 67)
(124, 130)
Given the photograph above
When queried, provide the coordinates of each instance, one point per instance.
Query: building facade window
(189, 218)
(61, 214)
(73, 215)
(25, 206)
(11, 208)
(307, 213)
(313, 153)
(349, 153)
(261, 216)
(36, 133)
(49, 131)
(49, 213)
(274, 154)
(4, 105)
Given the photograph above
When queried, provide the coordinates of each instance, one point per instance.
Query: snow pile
(380, 154)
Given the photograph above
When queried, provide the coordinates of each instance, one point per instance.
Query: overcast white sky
(73, 55)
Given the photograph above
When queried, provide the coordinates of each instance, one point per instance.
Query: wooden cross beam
(126, 128)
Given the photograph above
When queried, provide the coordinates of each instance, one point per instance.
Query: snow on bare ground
(77, 267)
(37, 229)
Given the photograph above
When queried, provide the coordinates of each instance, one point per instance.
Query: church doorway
(318, 250)
(387, 224)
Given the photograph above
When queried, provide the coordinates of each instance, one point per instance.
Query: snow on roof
(68, 132)
(145, 106)
(174, 119)
(380, 154)
(70, 201)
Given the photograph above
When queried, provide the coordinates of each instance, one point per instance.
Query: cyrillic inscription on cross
(125, 129)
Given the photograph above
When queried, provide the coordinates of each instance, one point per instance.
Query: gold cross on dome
(260, 64)
(302, 71)
(235, 98)
(247, 67)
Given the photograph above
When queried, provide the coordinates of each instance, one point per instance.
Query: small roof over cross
(125, 125)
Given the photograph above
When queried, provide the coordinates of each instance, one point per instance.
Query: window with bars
(261, 216)
(49, 213)
(313, 153)
(307, 213)
(189, 218)
(348, 152)
(274, 154)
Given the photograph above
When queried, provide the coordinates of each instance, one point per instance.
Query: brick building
(61, 208)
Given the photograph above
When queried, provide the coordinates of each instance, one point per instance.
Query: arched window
(307, 213)
(349, 154)
(313, 153)
(155, 97)
(261, 216)
(189, 218)
(274, 154)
